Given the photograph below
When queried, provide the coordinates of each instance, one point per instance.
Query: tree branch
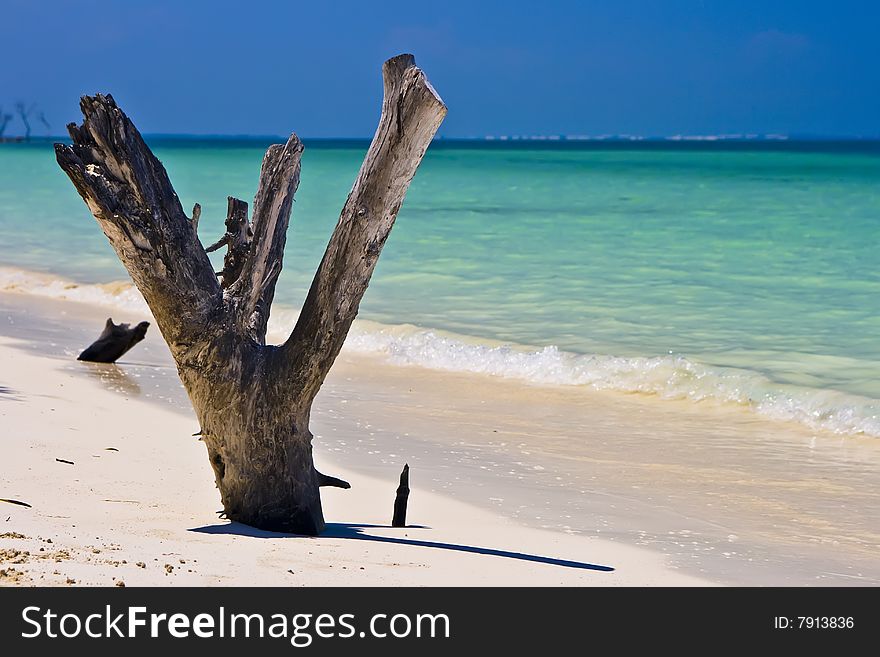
(130, 195)
(196, 215)
(411, 113)
(279, 179)
(237, 240)
(334, 482)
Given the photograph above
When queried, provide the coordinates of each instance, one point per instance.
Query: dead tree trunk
(253, 400)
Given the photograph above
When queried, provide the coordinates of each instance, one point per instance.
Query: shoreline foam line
(666, 377)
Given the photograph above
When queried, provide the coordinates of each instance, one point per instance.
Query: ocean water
(720, 273)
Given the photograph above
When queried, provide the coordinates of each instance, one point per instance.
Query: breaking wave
(667, 377)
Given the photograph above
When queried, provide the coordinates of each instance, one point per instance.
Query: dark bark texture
(114, 341)
(401, 499)
(253, 400)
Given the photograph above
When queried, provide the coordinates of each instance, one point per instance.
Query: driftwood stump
(400, 501)
(114, 341)
(253, 400)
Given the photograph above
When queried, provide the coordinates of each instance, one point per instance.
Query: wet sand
(724, 495)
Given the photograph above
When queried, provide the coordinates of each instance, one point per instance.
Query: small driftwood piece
(400, 501)
(16, 502)
(114, 341)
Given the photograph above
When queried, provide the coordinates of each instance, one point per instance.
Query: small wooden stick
(327, 480)
(400, 501)
(17, 502)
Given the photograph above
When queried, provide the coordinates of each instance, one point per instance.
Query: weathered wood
(279, 179)
(114, 341)
(196, 215)
(400, 501)
(411, 113)
(252, 400)
(16, 502)
(334, 482)
(236, 239)
(128, 191)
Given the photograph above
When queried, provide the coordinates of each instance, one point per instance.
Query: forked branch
(252, 401)
(411, 113)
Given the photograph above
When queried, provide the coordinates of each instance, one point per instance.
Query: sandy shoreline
(726, 497)
(138, 505)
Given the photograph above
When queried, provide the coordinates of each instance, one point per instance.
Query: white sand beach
(662, 492)
(120, 492)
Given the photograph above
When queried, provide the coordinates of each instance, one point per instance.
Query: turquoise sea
(720, 272)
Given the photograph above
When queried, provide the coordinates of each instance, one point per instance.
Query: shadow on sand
(356, 532)
(9, 394)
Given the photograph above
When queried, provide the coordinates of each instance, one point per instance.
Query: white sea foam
(667, 377)
(120, 294)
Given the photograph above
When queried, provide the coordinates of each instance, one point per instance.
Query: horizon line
(576, 138)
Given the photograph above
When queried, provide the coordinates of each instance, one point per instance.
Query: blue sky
(648, 68)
